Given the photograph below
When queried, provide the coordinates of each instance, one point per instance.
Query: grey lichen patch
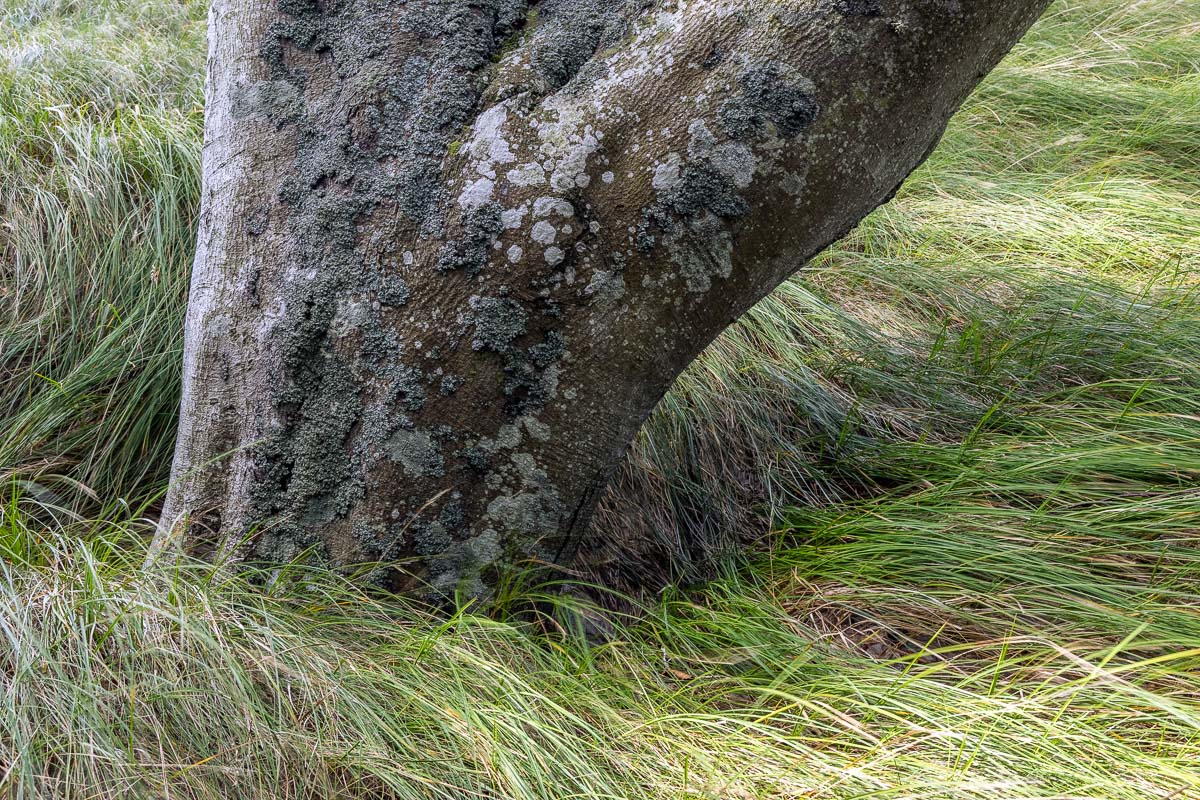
(552, 206)
(692, 217)
(393, 291)
(702, 252)
(485, 549)
(282, 544)
(439, 542)
(481, 226)
(488, 149)
(666, 173)
(477, 193)
(417, 452)
(498, 321)
(529, 508)
(567, 33)
(458, 560)
(606, 287)
(544, 233)
(526, 515)
(539, 430)
(704, 190)
(308, 471)
(701, 196)
(279, 100)
(774, 99)
(859, 8)
(372, 536)
(794, 184)
(299, 8)
(508, 437)
(531, 375)
(435, 539)
(511, 218)
(383, 359)
(733, 159)
(530, 174)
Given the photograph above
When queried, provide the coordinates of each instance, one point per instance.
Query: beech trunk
(452, 252)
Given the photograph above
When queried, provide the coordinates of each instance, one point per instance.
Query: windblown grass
(99, 181)
(974, 425)
(180, 681)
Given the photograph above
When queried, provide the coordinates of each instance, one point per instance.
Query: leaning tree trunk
(452, 252)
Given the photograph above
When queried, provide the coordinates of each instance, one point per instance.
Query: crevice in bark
(558, 43)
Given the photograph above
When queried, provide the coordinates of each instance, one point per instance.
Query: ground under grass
(965, 444)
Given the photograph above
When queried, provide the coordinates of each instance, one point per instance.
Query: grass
(965, 443)
(181, 681)
(99, 148)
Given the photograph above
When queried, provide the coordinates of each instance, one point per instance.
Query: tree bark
(452, 252)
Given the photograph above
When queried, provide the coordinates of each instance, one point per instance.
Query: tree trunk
(452, 252)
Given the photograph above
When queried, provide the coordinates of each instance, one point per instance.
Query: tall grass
(964, 440)
(181, 681)
(99, 147)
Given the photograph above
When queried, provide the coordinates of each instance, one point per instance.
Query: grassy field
(965, 443)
